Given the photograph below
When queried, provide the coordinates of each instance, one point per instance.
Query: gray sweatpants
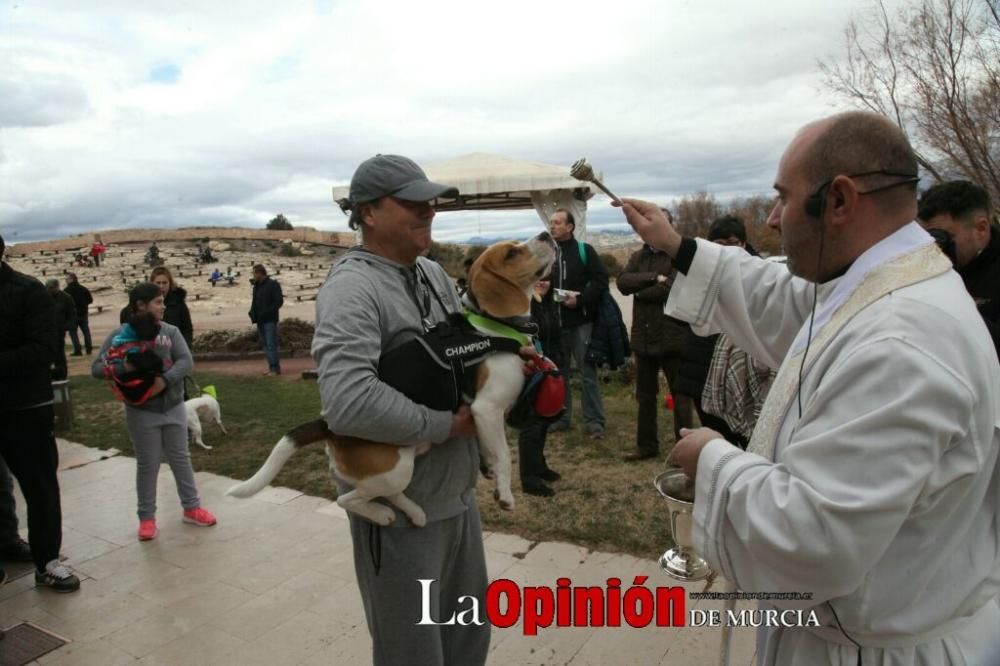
(449, 552)
(155, 436)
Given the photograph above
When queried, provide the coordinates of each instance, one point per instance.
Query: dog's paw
(383, 515)
(418, 517)
(205, 446)
(506, 503)
(488, 472)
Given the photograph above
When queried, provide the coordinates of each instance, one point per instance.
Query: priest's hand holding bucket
(688, 449)
(681, 561)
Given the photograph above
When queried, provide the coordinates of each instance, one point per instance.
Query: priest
(871, 482)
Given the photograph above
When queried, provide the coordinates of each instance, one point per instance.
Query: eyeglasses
(908, 178)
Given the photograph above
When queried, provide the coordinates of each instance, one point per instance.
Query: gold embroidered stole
(915, 266)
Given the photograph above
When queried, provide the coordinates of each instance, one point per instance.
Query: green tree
(279, 223)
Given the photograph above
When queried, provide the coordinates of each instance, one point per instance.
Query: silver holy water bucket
(681, 561)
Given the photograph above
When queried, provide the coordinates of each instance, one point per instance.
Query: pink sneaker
(147, 529)
(201, 517)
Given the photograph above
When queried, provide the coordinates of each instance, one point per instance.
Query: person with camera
(871, 478)
(579, 278)
(959, 216)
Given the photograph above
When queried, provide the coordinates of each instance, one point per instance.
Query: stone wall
(300, 234)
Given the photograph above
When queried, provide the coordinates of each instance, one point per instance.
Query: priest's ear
(842, 200)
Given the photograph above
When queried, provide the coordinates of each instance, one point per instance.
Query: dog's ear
(496, 295)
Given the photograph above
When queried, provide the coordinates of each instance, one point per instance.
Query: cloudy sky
(169, 114)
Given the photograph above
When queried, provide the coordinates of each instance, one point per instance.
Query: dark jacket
(27, 336)
(177, 313)
(65, 310)
(267, 300)
(81, 299)
(545, 313)
(589, 279)
(982, 279)
(653, 333)
(609, 339)
(696, 358)
(692, 370)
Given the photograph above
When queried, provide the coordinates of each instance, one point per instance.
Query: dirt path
(291, 368)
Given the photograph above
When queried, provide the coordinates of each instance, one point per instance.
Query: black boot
(535, 486)
(640, 454)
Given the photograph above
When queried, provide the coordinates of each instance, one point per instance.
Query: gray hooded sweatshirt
(369, 305)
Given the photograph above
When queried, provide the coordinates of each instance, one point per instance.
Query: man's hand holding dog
(462, 423)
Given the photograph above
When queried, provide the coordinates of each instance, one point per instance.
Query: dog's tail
(303, 435)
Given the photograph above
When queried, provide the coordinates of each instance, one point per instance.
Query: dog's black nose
(544, 237)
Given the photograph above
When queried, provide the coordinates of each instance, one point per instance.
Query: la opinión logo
(566, 605)
(569, 605)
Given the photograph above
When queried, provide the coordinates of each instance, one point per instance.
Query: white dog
(203, 407)
(502, 281)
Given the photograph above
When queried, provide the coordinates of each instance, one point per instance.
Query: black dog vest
(438, 368)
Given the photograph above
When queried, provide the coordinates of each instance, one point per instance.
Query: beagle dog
(501, 284)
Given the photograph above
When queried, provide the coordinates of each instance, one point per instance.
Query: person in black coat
(533, 468)
(962, 211)
(65, 310)
(81, 299)
(28, 335)
(696, 357)
(176, 310)
(175, 307)
(174, 299)
(657, 341)
(267, 301)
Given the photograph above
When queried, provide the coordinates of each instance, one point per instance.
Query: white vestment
(882, 497)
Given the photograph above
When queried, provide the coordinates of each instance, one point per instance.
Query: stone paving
(273, 584)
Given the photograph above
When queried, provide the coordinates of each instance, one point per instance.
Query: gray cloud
(274, 106)
(37, 101)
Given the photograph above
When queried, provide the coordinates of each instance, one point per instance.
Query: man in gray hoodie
(378, 296)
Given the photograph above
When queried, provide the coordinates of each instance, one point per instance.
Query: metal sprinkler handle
(581, 170)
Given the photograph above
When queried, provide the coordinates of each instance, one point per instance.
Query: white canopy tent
(493, 182)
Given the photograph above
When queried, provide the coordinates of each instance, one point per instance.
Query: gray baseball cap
(394, 175)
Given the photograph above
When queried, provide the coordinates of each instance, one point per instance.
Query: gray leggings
(155, 436)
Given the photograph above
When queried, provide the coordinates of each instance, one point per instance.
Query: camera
(946, 242)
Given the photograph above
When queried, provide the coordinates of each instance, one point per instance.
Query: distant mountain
(596, 237)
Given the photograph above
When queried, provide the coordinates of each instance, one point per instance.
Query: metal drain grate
(26, 642)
